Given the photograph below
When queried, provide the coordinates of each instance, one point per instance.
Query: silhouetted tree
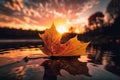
(113, 8)
(96, 19)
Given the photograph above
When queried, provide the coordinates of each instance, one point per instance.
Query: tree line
(11, 33)
(98, 27)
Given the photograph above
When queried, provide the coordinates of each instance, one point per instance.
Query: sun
(62, 29)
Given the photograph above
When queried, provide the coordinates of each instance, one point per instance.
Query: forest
(11, 33)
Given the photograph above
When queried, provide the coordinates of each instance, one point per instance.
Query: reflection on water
(72, 66)
(11, 55)
(39, 67)
(108, 56)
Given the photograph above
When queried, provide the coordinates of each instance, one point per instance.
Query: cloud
(42, 12)
(14, 4)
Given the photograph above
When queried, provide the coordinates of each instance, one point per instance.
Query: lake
(23, 60)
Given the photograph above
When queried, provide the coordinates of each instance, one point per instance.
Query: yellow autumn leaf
(53, 47)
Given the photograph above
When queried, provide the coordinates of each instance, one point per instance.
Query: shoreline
(19, 40)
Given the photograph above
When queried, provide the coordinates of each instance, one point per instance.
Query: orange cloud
(28, 14)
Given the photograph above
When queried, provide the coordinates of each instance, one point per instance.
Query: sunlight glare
(62, 29)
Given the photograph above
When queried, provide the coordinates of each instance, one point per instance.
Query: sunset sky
(40, 14)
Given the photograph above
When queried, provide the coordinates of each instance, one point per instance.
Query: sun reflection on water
(13, 55)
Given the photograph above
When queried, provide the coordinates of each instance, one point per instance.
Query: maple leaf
(53, 47)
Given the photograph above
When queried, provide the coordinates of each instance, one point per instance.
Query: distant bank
(8, 33)
(19, 40)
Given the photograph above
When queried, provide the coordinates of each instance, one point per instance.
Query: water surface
(39, 67)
